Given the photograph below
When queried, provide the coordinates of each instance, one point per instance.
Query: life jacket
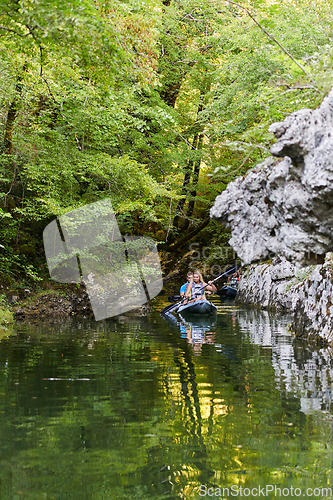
(183, 288)
(197, 290)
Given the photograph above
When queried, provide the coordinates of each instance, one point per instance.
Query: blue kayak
(198, 307)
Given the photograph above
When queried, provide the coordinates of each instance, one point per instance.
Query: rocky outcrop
(306, 293)
(286, 207)
(266, 285)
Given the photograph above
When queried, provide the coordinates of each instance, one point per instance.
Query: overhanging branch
(272, 38)
(13, 31)
(173, 248)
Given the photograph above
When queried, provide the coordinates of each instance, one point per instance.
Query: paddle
(176, 298)
(174, 306)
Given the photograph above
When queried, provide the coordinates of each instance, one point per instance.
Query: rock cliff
(286, 207)
(305, 293)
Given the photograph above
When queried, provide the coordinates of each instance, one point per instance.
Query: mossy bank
(6, 317)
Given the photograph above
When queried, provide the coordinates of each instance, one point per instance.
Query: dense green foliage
(157, 105)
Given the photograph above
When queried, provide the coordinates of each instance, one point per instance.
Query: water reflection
(300, 370)
(305, 372)
(197, 330)
(148, 409)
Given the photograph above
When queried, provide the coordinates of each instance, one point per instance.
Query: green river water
(145, 408)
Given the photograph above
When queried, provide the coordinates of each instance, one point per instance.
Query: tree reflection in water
(146, 408)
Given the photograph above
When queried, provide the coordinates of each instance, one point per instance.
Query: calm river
(145, 408)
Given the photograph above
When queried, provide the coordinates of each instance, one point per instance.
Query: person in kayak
(196, 290)
(184, 287)
(233, 280)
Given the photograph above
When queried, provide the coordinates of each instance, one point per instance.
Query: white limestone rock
(307, 294)
(286, 208)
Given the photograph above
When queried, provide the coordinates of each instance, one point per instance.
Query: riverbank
(306, 293)
(275, 285)
(55, 303)
(60, 300)
(6, 319)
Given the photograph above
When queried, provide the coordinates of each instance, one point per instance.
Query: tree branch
(272, 38)
(13, 31)
(188, 237)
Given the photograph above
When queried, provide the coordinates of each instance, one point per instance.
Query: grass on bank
(6, 317)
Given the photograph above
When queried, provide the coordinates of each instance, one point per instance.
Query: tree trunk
(170, 94)
(11, 115)
(195, 180)
(187, 178)
(8, 137)
(174, 248)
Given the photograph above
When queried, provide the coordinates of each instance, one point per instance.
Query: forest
(156, 104)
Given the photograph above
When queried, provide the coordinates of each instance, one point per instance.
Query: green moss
(268, 262)
(300, 276)
(6, 317)
(252, 267)
(31, 299)
(6, 322)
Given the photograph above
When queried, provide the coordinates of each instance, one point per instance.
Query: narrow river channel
(149, 408)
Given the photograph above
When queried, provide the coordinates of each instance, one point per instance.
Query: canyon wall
(306, 294)
(283, 209)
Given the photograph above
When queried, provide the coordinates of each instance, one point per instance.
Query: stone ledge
(309, 301)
